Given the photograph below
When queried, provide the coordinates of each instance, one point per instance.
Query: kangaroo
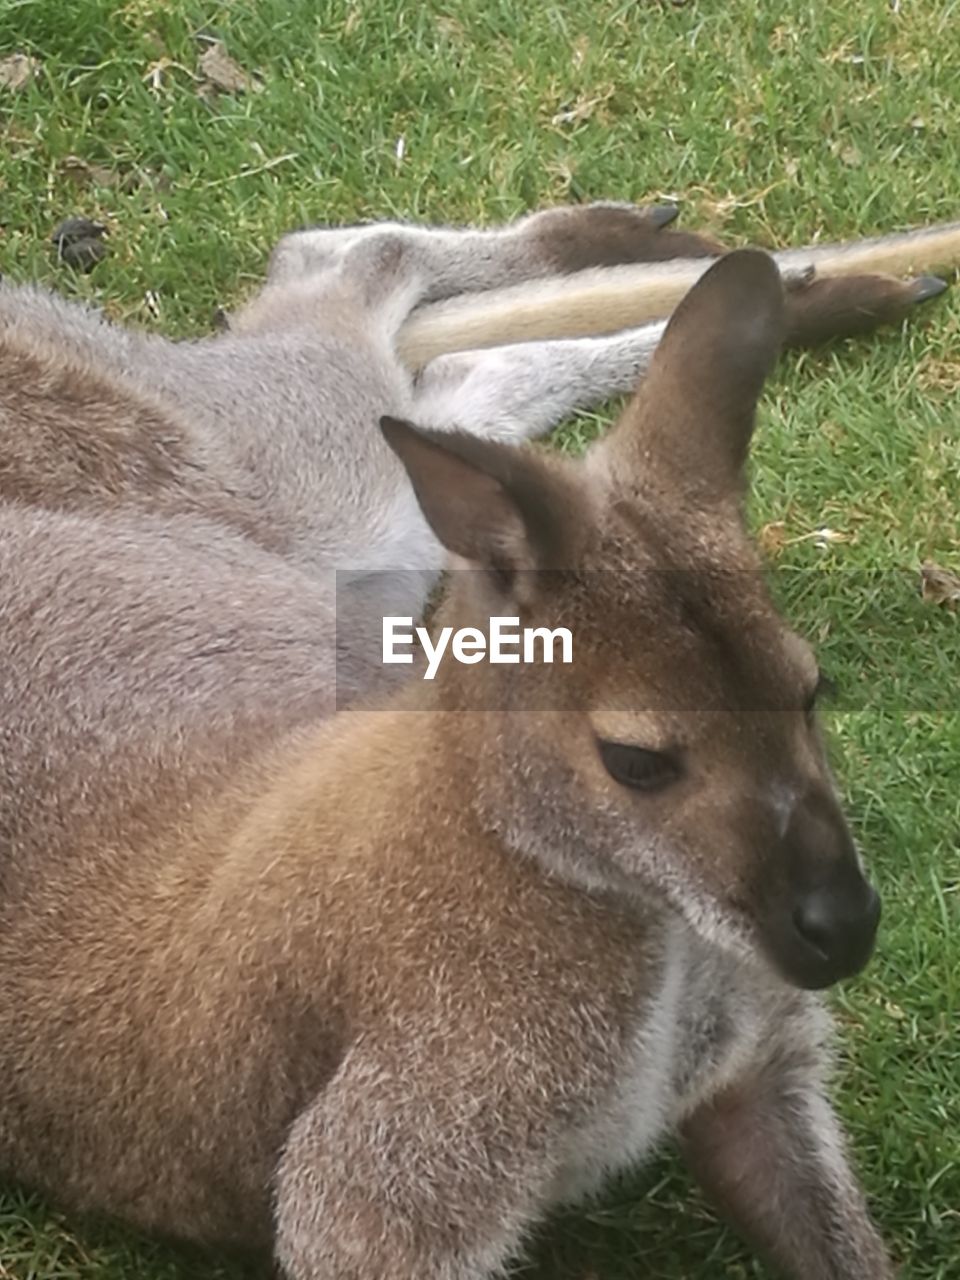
(269, 429)
(375, 991)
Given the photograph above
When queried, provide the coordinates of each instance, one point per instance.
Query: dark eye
(825, 688)
(638, 767)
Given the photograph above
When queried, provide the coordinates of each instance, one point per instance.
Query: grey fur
(372, 991)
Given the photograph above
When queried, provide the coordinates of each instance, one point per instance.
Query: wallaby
(377, 991)
(270, 429)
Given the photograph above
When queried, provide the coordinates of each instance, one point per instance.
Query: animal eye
(638, 767)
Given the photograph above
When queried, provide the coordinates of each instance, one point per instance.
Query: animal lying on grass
(269, 429)
(374, 992)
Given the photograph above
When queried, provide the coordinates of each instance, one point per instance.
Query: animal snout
(836, 924)
(824, 922)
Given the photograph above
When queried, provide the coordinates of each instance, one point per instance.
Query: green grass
(773, 121)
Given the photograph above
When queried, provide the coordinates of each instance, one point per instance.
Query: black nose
(839, 925)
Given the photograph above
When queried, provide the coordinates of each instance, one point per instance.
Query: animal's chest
(697, 1034)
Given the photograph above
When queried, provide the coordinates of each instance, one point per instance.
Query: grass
(772, 121)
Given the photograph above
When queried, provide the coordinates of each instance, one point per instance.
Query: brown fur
(381, 990)
(606, 299)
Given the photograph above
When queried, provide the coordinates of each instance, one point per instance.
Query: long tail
(605, 300)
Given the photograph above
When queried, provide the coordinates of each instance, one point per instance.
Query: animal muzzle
(834, 927)
(823, 924)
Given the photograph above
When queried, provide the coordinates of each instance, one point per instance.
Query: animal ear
(498, 506)
(695, 410)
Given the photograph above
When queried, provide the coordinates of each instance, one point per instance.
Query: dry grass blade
(17, 71)
(222, 73)
(939, 585)
(82, 174)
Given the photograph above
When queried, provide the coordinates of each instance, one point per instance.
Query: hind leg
(560, 240)
(306, 265)
(525, 390)
(818, 310)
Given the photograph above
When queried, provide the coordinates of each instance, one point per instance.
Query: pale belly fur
(707, 1024)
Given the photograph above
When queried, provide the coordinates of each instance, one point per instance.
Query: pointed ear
(499, 506)
(695, 410)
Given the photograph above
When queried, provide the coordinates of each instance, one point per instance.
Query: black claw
(925, 287)
(661, 215)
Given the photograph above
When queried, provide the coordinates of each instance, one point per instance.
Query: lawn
(771, 121)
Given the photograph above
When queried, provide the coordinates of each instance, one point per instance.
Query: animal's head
(679, 751)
